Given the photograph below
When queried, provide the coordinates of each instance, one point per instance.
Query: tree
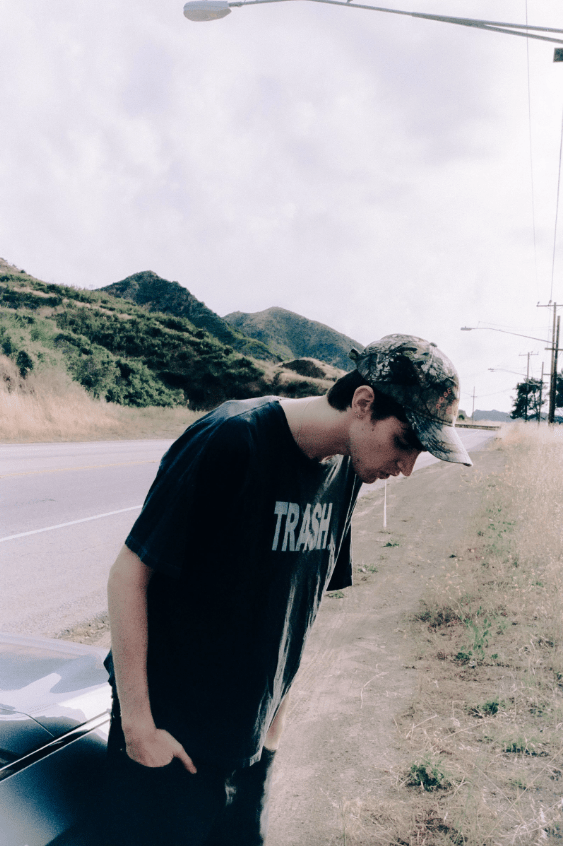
(559, 391)
(527, 402)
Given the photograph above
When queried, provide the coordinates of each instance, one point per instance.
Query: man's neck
(318, 429)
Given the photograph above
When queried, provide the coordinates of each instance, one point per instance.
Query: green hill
(123, 352)
(292, 336)
(151, 291)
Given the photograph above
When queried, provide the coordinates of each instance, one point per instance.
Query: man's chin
(369, 478)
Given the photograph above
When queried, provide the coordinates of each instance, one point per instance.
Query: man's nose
(407, 462)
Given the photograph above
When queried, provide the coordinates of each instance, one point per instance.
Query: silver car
(54, 720)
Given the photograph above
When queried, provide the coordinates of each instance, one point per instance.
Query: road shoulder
(359, 668)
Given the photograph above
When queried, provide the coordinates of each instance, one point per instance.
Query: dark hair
(340, 396)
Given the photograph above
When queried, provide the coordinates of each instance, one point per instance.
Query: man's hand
(127, 601)
(157, 749)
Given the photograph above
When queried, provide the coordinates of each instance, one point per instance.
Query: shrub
(429, 775)
(136, 385)
(24, 363)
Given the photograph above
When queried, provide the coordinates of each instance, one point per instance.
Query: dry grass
(50, 407)
(484, 734)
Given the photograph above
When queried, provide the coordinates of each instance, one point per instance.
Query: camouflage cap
(424, 381)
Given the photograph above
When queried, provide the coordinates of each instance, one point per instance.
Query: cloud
(368, 171)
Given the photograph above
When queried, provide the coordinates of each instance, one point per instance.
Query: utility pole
(473, 408)
(553, 394)
(528, 381)
(541, 395)
(554, 349)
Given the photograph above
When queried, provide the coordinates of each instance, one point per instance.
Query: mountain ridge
(128, 353)
(291, 335)
(146, 288)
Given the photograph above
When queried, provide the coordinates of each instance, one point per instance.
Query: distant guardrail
(475, 426)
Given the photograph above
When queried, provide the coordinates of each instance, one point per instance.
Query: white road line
(68, 469)
(71, 523)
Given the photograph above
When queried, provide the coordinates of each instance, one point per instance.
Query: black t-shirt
(244, 533)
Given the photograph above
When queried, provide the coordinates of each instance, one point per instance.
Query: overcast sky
(369, 171)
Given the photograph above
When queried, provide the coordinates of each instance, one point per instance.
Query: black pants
(149, 806)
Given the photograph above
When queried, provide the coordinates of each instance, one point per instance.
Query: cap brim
(440, 440)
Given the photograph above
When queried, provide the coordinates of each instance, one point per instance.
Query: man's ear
(362, 401)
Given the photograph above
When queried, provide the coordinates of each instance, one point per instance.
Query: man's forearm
(275, 731)
(127, 603)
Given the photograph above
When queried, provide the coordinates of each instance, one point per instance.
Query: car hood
(49, 686)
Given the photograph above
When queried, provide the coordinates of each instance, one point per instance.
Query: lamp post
(210, 10)
(506, 332)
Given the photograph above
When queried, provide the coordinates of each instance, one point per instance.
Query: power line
(493, 394)
(556, 214)
(531, 158)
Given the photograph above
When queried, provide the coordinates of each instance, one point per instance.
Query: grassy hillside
(47, 406)
(292, 336)
(157, 294)
(120, 352)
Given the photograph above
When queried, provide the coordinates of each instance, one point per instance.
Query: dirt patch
(341, 750)
(93, 632)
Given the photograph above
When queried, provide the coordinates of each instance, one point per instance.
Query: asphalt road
(65, 510)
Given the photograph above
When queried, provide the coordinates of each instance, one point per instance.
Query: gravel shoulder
(359, 671)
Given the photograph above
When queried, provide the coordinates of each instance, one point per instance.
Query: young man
(245, 526)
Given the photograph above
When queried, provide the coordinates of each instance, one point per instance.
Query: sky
(377, 173)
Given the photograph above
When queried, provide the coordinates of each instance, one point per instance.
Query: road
(65, 512)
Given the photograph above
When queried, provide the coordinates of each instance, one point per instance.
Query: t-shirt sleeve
(186, 489)
(342, 574)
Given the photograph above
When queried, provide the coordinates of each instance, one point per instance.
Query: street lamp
(210, 10)
(504, 370)
(207, 10)
(506, 332)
